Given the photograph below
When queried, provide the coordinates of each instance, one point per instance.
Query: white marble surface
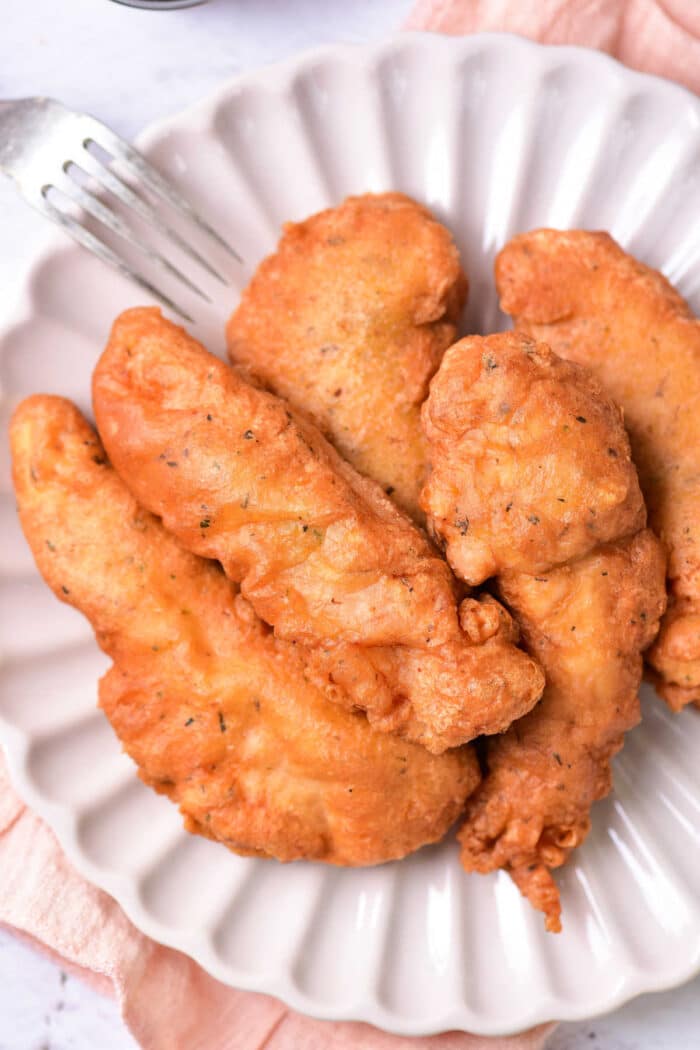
(130, 67)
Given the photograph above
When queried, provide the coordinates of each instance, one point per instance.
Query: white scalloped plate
(497, 135)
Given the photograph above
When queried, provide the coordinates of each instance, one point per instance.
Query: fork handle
(7, 105)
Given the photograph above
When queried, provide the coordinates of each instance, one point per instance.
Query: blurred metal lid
(160, 5)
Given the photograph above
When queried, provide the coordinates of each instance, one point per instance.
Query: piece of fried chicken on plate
(321, 552)
(597, 305)
(532, 458)
(217, 713)
(348, 320)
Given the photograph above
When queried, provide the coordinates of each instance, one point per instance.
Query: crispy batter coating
(321, 553)
(596, 305)
(348, 320)
(586, 619)
(217, 713)
(531, 462)
(587, 622)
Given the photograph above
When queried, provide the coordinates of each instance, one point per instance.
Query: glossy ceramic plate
(497, 135)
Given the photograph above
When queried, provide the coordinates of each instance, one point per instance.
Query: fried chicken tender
(320, 552)
(531, 462)
(217, 713)
(588, 623)
(348, 320)
(596, 305)
(515, 430)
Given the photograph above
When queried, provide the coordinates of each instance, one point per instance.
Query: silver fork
(43, 145)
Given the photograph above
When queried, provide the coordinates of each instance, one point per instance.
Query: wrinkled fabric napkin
(167, 1001)
(656, 36)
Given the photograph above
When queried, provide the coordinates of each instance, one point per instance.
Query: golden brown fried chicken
(596, 305)
(588, 602)
(531, 462)
(587, 622)
(321, 553)
(348, 320)
(217, 714)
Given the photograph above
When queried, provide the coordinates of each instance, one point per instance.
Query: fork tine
(105, 137)
(124, 193)
(95, 207)
(99, 248)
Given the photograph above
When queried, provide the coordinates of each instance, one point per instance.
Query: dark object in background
(160, 5)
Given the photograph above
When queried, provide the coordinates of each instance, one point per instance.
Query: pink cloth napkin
(167, 1001)
(656, 36)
